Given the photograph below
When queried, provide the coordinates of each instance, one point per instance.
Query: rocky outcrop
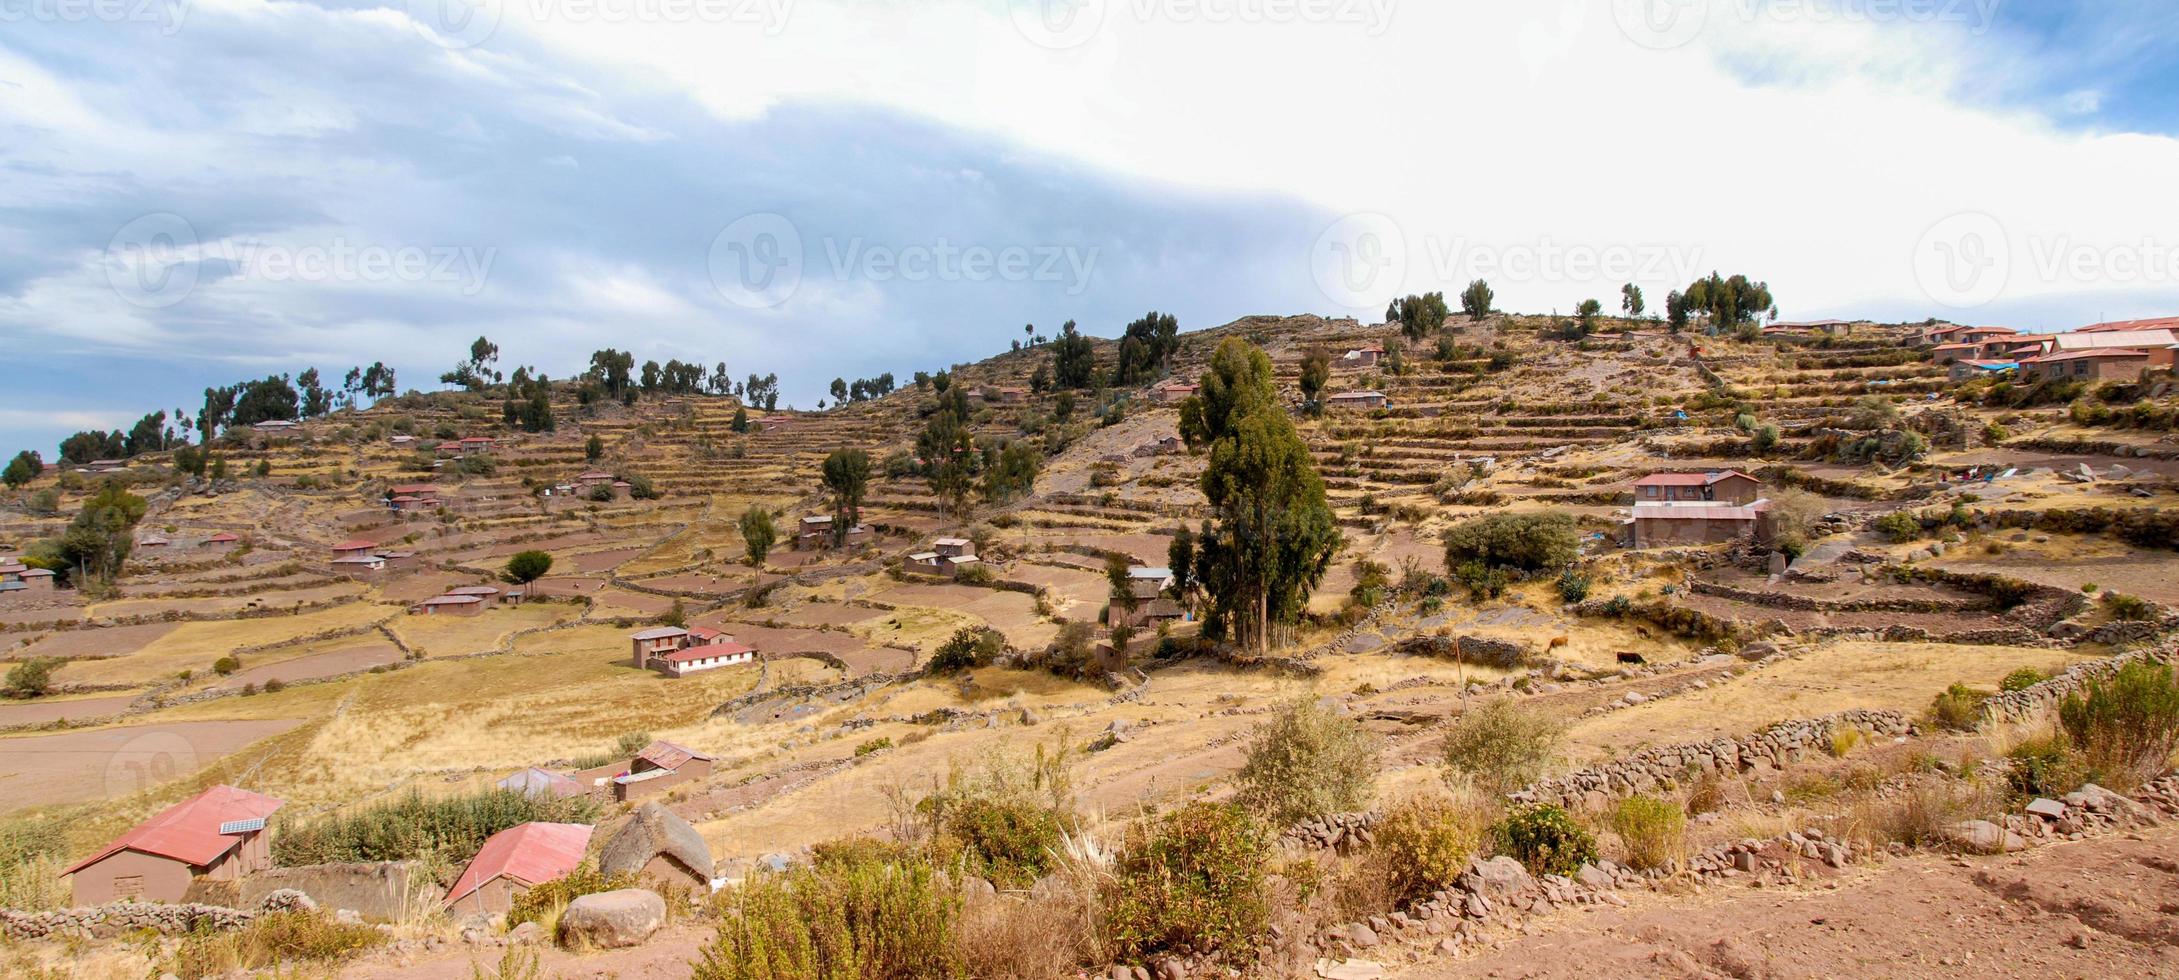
(612, 920)
(655, 832)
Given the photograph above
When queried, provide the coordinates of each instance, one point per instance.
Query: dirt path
(2100, 908)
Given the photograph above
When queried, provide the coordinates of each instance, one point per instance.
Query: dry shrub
(1958, 709)
(31, 858)
(2126, 726)
(1500, 745)
(1652, 831)
(1425, 841)
(1041, 938)
(863, 916)
(276, 939)
(543, 903)
(1843, 741)
(1923, 813)
(1707, 793)
(1306, 762)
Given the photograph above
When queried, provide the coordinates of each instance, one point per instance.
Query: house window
(128, 886)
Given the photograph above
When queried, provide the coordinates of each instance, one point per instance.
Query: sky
(196, 192)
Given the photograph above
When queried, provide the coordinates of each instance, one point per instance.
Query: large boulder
(1498, 877)
(611, 920)
(660, 846)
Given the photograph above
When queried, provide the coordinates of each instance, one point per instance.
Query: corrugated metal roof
(659, 633)
(667, 755)
(531, 853)
(190, 831)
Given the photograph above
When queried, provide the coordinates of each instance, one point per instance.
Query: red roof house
(515, 860)
(223, 537)
(355, 547)
(216, 835)
(1728, 486)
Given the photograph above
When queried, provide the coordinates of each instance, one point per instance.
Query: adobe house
(1728, 486)
(514, 861)
(1173, 392)
(2104, 364)
(927, 562)
(654, 642)
(1948, 353)
(448, 605)
(772, 423)
(594, 478)
(953, 547)
(488, 594)
(351, 549)
(658, 768)
(1005, 395)
(1148, 586)
(399, 559)
(1357, 400)
(1366, 356)
(35, 580)
(1969, 370)
(215, 836)
(358, 565)
(661, 850)
(538, 783)
(1684, 524)
(2161, 346)
(224, 537)
(677, 652)
(476, 444)
(815, 534)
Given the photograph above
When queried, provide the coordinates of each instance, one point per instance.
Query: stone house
(1727, 486)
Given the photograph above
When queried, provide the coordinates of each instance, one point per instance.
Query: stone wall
(2031, 701)
(120, 918)
(1658, 768)
(387, 891)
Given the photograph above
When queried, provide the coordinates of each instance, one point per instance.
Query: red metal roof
(667, 755)
(1690, 512)
(2159, 323)
(356, 545)
(2095, 353)
(531, 853)
(704, 651)
(189, 831)
(224, 537)
(1688, 479)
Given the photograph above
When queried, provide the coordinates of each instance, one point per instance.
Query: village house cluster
(2117, 351)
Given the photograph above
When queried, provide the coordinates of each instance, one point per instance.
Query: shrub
(1958, 709)
(1010, 842)
(874, 745)
(1426, 840)
(32, 678)
(1500, 745)
(2127, 725)
(1546, 839)
(32, 852)
(1573, 586)
(2022, 679)
(1526, 542)
(1653, 831)
(451, 828)
(1306, 762)
(544, 903)
(870, 914)
(1191, 881)
(2130, 609)
(226, 665)
(969, 648)
(1899, 526)
(2044, 765)
(1483, 582)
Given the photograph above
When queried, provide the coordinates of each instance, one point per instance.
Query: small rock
(1350, 969)
(2047, 809)
(526, 934)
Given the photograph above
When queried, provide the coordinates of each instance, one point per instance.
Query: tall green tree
(524, 567)
(1630, 300)
(25, 467)
(1010, 470)
(758, 533)
(1475, 300)
(1419, 316)
(847, 478)
(1146, 348)
(97, 543)
(1074, 359)
(1729, 302)
(1316, 372)
(1272, 532)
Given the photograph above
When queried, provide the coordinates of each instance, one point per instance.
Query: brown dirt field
(599, 561)
(73, 767)
(2098, 908)
(116, 641)
(43, 710)
(860, 656)
(316, 665)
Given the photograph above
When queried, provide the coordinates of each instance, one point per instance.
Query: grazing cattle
(1632, 658)
(1556, 642)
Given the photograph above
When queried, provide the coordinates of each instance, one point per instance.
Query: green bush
(1010, 842)
(969, 648)
(1426, 841)
(32, 678)
(1307, 761)
(865, 914)
(2043, 766)
(2126, 726)
(1522, 542)
(1191, 881)
(226, 665)
(524, 567)
(1958, 709)
(874, 745)
(32, 852)
(1573, 586)
(1653, 831)
(1546, 839)
(1899, 526)
(2130, 609)
(1500, 745)
(451, 828)
(2022, 679)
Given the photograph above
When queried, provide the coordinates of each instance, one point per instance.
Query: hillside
(2035, 538)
